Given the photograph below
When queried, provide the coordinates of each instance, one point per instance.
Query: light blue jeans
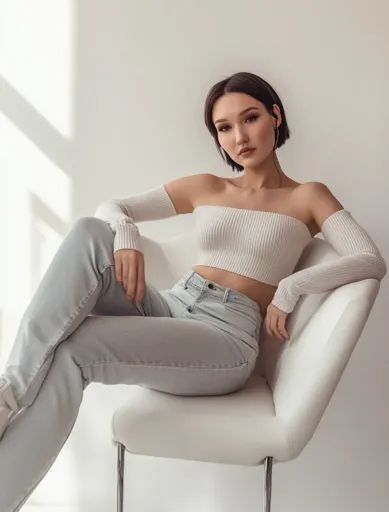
(196, 338)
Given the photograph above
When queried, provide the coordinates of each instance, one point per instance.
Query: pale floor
(36, 508)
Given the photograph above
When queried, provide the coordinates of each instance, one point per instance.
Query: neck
(267, 176)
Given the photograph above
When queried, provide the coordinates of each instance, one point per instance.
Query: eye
(254, 116)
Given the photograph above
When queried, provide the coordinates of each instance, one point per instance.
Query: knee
(92, 226)
(90, 223)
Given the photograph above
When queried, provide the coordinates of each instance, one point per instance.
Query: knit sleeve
(122, 214)
(359, 258)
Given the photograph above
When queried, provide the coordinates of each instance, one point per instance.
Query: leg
(120, 476)
(175, 355)
(80, 280)
(268, 465)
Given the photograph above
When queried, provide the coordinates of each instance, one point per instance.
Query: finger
(281, 327)
(274, 326)
(118, 268)
(131, 279)
(125, 267)
(267, 325)
(270, 324)
(140, 287)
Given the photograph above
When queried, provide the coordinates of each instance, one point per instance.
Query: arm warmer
(122, 214)
(359, 259)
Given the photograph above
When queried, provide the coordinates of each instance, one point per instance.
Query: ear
(277, 115)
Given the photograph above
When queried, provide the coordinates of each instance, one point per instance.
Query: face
(237, 127)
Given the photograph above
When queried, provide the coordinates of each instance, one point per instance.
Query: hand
(275, 322)
(130, 270)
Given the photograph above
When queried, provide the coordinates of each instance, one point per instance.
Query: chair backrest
(167, 260)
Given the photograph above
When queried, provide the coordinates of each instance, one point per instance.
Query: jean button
(190, 309)
(210, 285)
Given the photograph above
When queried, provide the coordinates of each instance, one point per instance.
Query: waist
(197, 280)
(258, 292)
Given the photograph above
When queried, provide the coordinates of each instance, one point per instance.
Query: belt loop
(201, 290)
(205, 282)
(226, 295)
(187, 279)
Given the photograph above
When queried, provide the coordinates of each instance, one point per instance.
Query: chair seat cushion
(237, 428)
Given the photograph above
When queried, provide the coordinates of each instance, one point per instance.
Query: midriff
(261, 293)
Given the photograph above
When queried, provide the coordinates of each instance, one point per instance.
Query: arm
(359, 256)
(163, 201)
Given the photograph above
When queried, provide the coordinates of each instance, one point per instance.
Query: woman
(94, 317)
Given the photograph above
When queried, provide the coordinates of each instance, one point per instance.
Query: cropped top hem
(230, 268)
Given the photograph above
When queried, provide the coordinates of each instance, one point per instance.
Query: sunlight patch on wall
(35, 199)
(36, 57)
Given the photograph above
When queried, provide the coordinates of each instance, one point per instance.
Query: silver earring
(275, 144)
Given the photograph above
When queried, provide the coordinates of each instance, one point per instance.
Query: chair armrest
(309, 366)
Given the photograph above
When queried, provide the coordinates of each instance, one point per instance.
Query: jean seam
(62, 330)
(48, 465)
(174, 365)
(230, 305)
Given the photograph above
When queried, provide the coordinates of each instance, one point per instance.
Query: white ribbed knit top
(258, 244)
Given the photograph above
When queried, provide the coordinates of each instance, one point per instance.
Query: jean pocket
(246, 311)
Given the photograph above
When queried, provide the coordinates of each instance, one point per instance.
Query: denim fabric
(195, 338)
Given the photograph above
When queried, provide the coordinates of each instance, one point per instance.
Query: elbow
(377, 263)
(382, 267)
(110, 209)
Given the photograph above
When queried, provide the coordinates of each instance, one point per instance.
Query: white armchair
(275, 415)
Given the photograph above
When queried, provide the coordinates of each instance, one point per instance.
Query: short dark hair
(256, 87)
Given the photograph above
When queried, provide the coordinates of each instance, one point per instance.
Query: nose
(240, 136)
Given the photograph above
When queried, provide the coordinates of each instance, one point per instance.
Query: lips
(247, 150)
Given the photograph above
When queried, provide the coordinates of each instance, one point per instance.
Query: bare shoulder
(186, 191)
(316, 191)
(319, 199)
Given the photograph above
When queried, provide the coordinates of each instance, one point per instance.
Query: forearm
(122, 214)
(359, 258)
(326, 276)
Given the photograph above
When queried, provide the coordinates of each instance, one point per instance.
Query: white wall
(105, 99)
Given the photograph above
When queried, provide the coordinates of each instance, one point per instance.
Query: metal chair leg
(267, 484)
(120, 475)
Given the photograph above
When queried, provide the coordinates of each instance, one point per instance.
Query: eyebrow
(243, 111)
